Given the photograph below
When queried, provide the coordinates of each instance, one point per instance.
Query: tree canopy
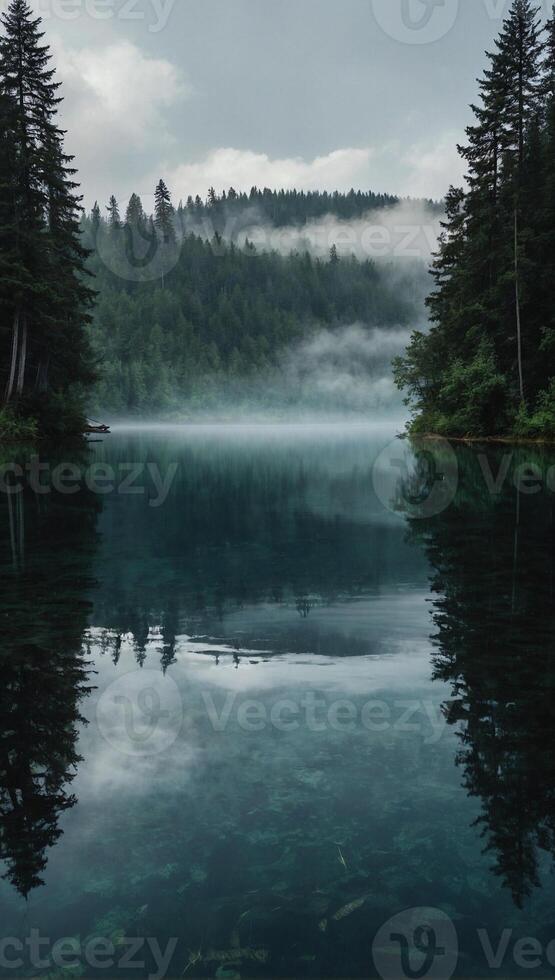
(44, 296)
(485, 366)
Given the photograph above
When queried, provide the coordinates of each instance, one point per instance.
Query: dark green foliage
(485, 363)
(282, 208)
(44, 674)
(163, 213)
(43, 344)
(114, 220)
(182, 322)
(16, 429)
(495, 627)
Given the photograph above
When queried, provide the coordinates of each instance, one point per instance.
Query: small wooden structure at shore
(96, 428)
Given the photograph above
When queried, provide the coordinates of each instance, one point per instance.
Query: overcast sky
(308, 93)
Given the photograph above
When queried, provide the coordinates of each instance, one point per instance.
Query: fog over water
(341, 374)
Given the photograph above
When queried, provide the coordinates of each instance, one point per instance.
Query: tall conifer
(49, 298)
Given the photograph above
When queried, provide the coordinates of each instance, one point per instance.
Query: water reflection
(273, 574)
(256, 521)
(44, 676)
(494, 561)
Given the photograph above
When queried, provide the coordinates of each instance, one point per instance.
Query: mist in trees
(188, 321)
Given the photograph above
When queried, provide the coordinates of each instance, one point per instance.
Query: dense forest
(154, 314)
(45, 358)
(135, 314)
(185, 321)
(486, 365)
(277, 208)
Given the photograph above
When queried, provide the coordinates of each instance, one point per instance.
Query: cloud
(115, 112)
(116, 90)
(242, 169)
(432, 167)
(422, 170)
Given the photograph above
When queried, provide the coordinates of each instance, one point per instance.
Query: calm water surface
(254, 712)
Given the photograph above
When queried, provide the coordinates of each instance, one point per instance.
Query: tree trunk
(515, 552)
(41, 383)
(21, 529)
(22, 360)
(15, 346)
(12, 532)
(518, 322)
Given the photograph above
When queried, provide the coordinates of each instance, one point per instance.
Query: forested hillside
(184, 322)
(487, 364)
(279, 208)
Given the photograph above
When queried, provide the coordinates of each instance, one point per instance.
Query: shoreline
(490, 440)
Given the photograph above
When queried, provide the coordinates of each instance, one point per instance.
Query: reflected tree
(44, 673)
(240, 530)
(493, 561)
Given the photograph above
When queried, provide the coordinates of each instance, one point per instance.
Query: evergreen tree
(164, 213)
(114, 218)
(501, 686)
(135, 216)
(218, 330)
(48, 295)
(483, 360)
(12, 272)
(546, 280)
(95, 217)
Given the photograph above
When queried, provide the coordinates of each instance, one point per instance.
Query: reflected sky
(286, 690)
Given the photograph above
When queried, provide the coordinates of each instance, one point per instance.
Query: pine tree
(12, 272)
(95, 217)
(135, 216)
(488, 324)
(114, 218)
(164, 213)
(511, 99)
(48, 298)
(547, 243)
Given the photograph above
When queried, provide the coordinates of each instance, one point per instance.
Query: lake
(277, 702)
